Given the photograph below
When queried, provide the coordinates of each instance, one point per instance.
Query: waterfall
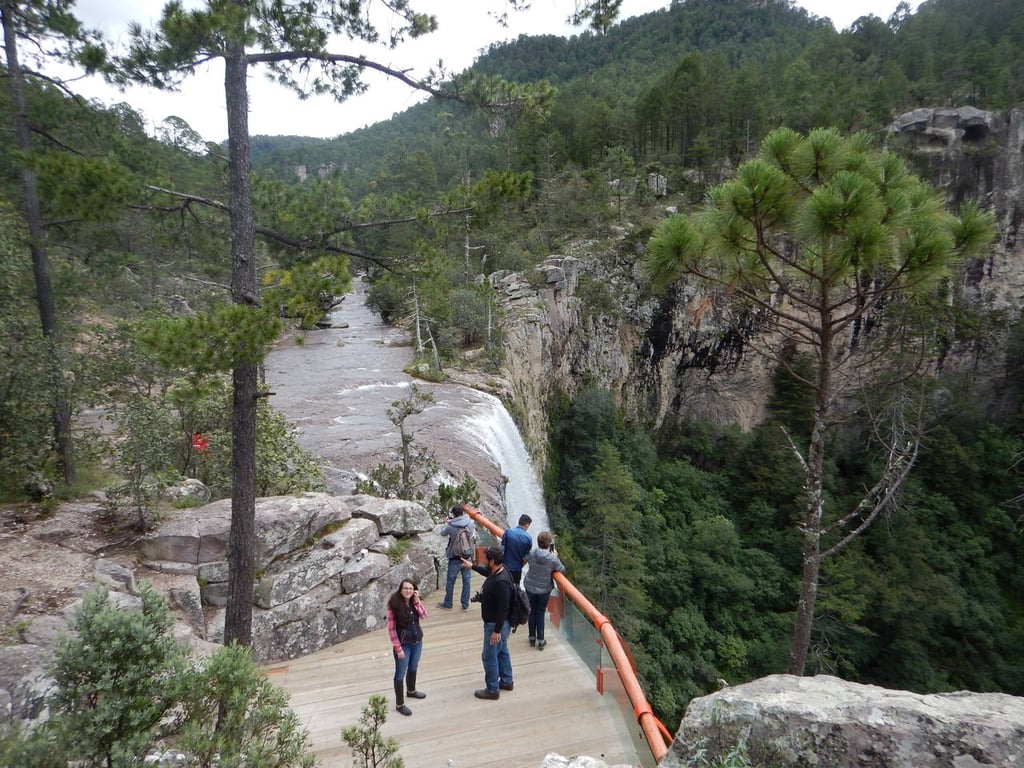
(491, 426)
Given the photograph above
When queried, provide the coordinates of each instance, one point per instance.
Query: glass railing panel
(574, 628)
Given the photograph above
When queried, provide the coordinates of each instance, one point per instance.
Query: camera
(476, 598)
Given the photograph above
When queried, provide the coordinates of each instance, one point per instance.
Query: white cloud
(465, 29)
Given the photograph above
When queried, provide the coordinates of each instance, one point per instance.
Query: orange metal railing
(657, 736)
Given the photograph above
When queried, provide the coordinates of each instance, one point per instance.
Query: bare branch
(276, 57)
(795, 449)
(904, 444)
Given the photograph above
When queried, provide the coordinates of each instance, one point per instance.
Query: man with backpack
(461, 533)
(495, 604)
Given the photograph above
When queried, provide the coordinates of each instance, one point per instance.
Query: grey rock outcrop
(24, 680)
(325, 566)
(973, 154)
(793, 722)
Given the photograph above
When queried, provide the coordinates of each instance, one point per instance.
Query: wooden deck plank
(554, 708)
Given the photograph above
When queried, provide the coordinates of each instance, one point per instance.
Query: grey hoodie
(451, 530)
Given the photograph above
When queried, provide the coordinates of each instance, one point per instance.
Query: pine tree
(827, 239)
(609, 539)
(47, 26)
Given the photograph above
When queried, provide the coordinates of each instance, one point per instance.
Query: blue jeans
(410, 663)
(538, 604)
(496, 658)
(454, 567)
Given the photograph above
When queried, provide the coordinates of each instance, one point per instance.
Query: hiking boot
(483, 693)
(506, 686)
(410, 687)
(541, 644)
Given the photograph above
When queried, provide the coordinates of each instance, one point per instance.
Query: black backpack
(519, 608)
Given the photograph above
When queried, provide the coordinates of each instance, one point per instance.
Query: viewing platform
(555, 706)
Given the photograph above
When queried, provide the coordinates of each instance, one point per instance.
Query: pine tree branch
(297, 243)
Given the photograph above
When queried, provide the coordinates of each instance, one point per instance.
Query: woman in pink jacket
(404, 614)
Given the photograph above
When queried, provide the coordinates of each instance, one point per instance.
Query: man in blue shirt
(516, 543)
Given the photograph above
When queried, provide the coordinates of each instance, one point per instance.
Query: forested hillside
(697, 84)
(703, 570)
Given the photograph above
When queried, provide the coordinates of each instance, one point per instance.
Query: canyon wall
(589, 317)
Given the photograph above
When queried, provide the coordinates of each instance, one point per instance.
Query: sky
(465, 29)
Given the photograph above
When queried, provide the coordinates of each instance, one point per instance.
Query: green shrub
(369, 747)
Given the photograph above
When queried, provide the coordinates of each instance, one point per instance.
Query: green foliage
(161, 410)
(397, 552)
(144, 454)
(369, 747)
(733, 757)
(230, 715)
(26, 407)
(473, 315)
(126, 688)
(818, 232)
(39, 747)
(86, 188)
(388, 299)
(307, 290)
(792, 397)
(212, 342)
(115, 679)
(26, 448)
(447, 496)
(607, 546)
(596, 298)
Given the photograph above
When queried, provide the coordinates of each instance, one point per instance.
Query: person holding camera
(458, 527)
(405, 611)
(495, 603)
(543, 562)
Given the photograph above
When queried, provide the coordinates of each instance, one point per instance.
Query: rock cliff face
(667, 360)
(824, 721)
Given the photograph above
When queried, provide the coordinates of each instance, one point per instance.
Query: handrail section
(658, 737)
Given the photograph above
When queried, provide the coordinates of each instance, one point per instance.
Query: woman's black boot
(400, 699)
(410, 687)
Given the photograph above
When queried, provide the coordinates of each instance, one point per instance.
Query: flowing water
(335, 384)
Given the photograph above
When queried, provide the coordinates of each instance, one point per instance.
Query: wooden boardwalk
(555, 706)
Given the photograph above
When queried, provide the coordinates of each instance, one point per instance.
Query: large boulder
(799, 722)
(283, 523)
(325, 565)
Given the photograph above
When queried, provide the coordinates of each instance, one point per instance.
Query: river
(336, 383)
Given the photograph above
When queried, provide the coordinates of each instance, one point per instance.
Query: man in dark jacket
(495, 603)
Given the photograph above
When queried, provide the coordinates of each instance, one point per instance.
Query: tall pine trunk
(60, 402)
(814, 509)
(242, 538)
